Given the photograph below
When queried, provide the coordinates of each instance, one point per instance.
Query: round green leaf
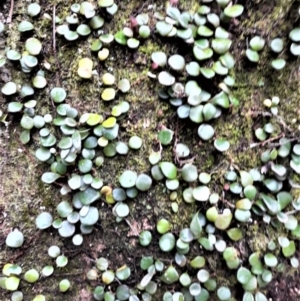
(221, 145)
(44, 220)
(233, 11)
(143, 182)
(168, 169)
(206, 131)
(33, 46)
(167, 242)
(14, 239)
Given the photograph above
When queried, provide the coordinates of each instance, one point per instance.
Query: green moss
(258, 240)
(149, 47)
(191, 6)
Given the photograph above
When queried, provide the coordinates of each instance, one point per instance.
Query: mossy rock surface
(22, 194)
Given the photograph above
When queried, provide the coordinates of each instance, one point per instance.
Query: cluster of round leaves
(261, 272)
(275, 176)
(69, 146)
(29, 120)
(83, 13)
(28, 61)
(81, 139)
(28, 58)
(194, 288)
(260, 203)
(257, 44)
(129, 180)
(108, 276)
(127, 36)
(185, 25)
(147, 287)
(139, 28)
(208, 38)
(260, 191)
(222, 221)
(39, 82)
(72, 30)
(164, 170)
(200, 34)
(200, 107)
(272, 104)
(262, 133)
(10, 280)
(85, 70)
(263, 203)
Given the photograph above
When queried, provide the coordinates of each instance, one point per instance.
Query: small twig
(190, 160)
(260, 113)
(54, 29)
(228, 203)
(232, 164)
(141, 9)
(266, 141)
(114, 231)
(160, 147)
(9, 18)
(223, 165)
(54, 45)
(69, 274)
(132, 229)
(291, 212)
(267, 114)
(272, 145)
(138, 81)
(58, 184)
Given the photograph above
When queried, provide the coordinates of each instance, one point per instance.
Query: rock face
(20, 188)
